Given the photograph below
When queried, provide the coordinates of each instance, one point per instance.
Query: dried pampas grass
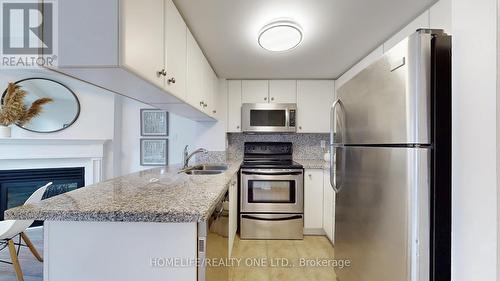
(14, 111)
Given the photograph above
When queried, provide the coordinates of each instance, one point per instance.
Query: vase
(5, 131)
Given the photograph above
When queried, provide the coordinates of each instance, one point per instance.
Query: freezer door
(389, 101)
(382, 215)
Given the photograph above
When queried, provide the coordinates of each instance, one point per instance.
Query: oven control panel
(263, 148)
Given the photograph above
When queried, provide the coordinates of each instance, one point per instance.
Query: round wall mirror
(57, 115)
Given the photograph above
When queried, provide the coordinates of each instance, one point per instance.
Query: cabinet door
(233, 212)
(314, 99)
(143, 44)
(234, 106)
(213, 106)
(210, 90)
(255, 91)
(175, 65)
(283, 91)
(195, 73)
(313, 199)
(328, 207)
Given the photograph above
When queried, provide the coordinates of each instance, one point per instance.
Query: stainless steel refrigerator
(391, 164)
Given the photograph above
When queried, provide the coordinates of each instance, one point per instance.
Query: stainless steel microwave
(268, 117)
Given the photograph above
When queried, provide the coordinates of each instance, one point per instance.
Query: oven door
(268, 117)
(272, 191)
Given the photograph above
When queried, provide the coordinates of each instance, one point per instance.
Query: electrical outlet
(323, 144)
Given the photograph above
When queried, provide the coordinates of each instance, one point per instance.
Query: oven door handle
(271, 173)
(296, 217)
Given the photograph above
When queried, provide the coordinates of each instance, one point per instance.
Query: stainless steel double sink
(205, 169)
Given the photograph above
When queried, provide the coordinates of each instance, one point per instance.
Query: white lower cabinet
(319, 203)
(313, 201)
(328, 207)
(233, 212)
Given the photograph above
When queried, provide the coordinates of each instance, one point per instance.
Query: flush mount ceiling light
(280, 36)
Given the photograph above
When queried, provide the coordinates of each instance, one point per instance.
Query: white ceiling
(337, 33)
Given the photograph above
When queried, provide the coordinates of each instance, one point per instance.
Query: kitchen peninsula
(116, 229)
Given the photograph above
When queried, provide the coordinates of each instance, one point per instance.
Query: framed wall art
(154, 152)
(154, 123)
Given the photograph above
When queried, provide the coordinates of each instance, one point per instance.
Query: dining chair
(10, 229)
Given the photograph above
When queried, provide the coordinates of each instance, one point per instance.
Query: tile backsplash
(305, 146)
(211, 157)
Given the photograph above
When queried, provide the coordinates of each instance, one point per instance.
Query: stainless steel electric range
(272, 192)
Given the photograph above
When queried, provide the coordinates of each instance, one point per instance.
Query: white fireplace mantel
(36, 153)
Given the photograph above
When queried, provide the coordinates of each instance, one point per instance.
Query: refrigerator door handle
(332, 120)
(335, 179)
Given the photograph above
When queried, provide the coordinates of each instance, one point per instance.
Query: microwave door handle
(287, 118)
(335, 179)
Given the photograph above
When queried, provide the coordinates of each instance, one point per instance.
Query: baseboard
(314, 231)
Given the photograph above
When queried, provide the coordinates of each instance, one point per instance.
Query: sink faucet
(188, 155)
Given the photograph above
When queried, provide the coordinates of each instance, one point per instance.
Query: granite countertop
(313, 163)
(155, 195)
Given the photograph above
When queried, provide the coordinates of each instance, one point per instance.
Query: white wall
(475, 144)
(100, 101)
(129, 134)
(96, 123)
(182, 132)
(436, 17)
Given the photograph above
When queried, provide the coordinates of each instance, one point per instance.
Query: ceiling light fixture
(280, 36)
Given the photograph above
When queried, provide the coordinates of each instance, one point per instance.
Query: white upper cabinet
(283, 91)
(269, 91)
(214, 105)
(154, 43)
(234, 106)
(175, 65)
(314, 99)
(195, 74)
(138, 49)
(210, 90)
(202, 82)
(255, 91)
(143, 42)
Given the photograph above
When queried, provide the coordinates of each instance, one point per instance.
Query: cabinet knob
(300, 127)
(162, 72)
(171, 80)
(265, 99)
(214, 111)
(272, 99)
(237, 127)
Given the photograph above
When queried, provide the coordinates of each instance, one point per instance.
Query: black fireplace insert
(17, 185)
